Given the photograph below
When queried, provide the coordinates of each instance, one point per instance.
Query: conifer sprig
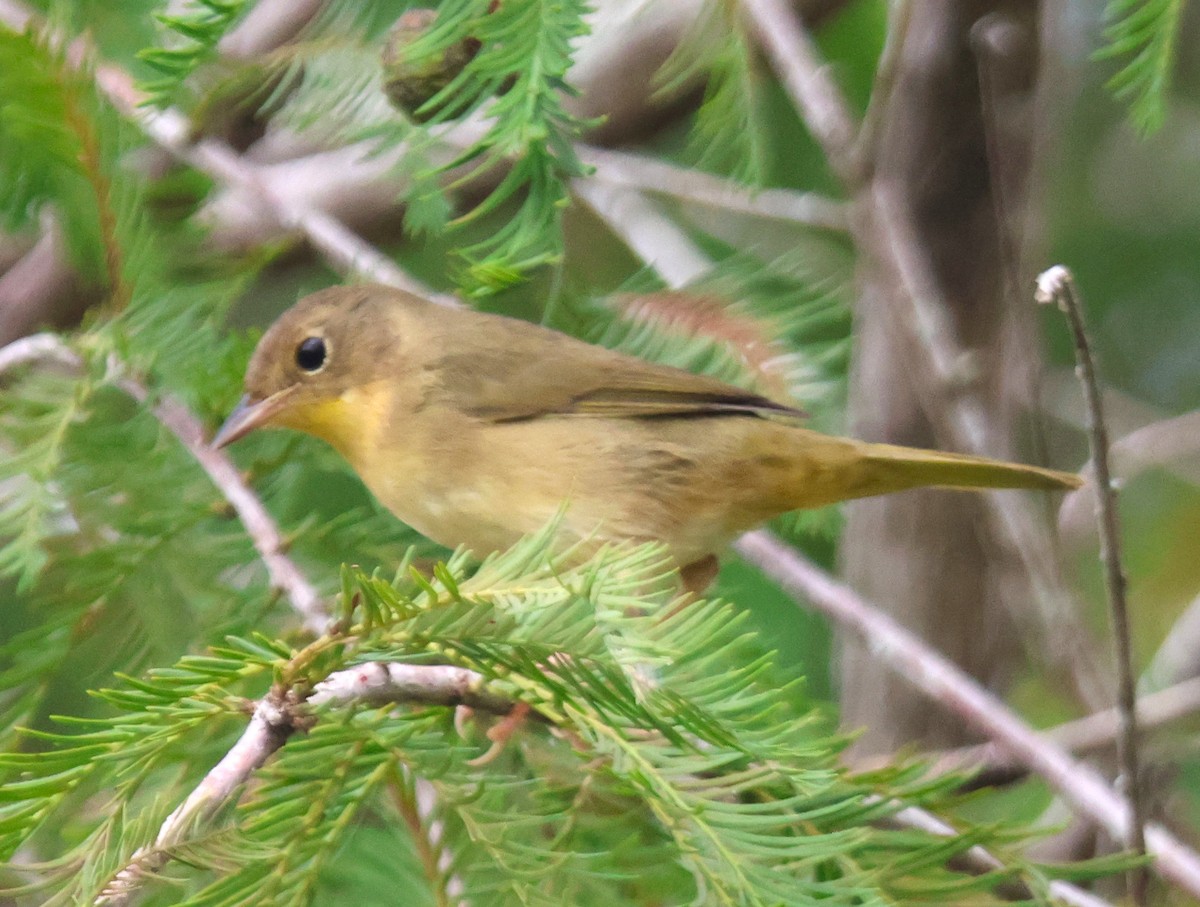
(1145, 34)
(735, 780)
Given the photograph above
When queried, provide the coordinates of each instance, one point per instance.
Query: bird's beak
(246, 416)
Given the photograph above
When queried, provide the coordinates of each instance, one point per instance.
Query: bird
(478, 429)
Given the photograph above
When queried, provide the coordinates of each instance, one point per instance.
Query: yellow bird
(477, 429)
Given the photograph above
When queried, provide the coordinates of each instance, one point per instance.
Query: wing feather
(527, 372)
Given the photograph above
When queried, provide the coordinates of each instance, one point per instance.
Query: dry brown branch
(1057, 286)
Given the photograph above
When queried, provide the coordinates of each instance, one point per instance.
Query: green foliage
(519, 73)
(1144, 33)
(731, 127)
(196, 27)
(59, 145)
(656, 724)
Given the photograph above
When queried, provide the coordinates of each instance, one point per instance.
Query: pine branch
(1146, 34)
(274, 720)
(271, 724)
(809, 84)
(284, 574)
(379, 683)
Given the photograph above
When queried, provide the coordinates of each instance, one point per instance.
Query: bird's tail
(894, 468)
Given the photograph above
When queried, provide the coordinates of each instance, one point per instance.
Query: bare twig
(259, 524)
(867, 140)
(1079, 784)
(378, 683)
(283, 573)
(1094, 732)
(339, 245)
(646, 230)
(271, 724)
(1172, 443)
(1057, 286)
(1179, 654)
(269, 24)
(38, 348)
(636, 171)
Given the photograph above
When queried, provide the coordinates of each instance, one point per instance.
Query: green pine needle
(1145, 34)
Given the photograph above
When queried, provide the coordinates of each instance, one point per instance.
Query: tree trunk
(957, 156)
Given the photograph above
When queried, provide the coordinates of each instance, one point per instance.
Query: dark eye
(310, 354)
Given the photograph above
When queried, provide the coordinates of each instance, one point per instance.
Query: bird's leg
(501, 732)
(697, 576)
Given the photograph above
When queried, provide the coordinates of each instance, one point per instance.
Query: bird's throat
(350, 423)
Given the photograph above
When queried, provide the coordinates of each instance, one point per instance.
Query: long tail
(826, 469)
(898, 468)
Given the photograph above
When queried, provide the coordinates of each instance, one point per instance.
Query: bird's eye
(310, 354)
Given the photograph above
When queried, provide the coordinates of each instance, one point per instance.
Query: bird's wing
(526, 372)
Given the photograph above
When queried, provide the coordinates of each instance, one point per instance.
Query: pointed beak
(246, 416)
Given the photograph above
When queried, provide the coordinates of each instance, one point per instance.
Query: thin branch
(1172, 444)
(269, 24)
(809, 84)
(432, 856)
(867, 141)
(282, 571)
(1079, 784)
(38, 348)
(378, 683)
(978, 860)
(1057, 286)
(1083, 735)
(1179, 654)
(637, 171)
(270, 726)
(340, 246)
(646, 230)
(274, 720)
